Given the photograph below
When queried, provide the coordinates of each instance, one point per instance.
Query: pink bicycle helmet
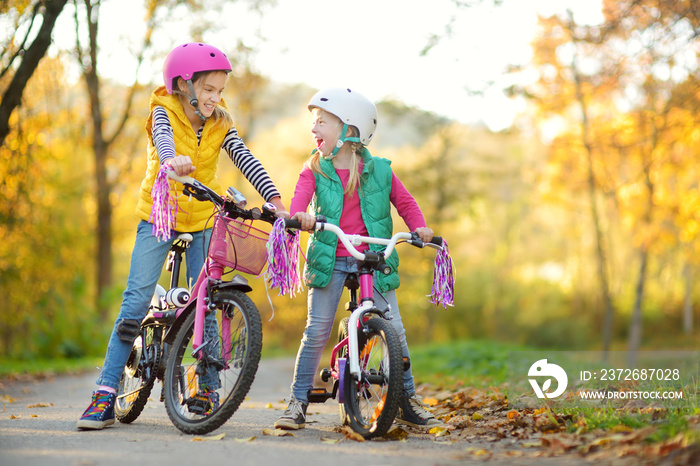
(187, 59)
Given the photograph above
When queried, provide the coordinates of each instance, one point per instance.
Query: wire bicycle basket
(238, 245)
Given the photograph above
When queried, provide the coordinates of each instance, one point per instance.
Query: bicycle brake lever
(190, 189)
(415, 240)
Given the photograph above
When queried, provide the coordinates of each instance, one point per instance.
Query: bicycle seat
(351, 282)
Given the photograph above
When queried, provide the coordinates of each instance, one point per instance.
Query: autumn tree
(26, 50)
(618, 84)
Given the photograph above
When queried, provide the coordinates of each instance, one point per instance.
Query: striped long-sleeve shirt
(234, 146)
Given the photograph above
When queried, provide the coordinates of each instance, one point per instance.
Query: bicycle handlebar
(350, 241)
(233, 203)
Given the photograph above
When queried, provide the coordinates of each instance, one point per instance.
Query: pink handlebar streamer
(442, 292)
(283, 260)
(164, 211)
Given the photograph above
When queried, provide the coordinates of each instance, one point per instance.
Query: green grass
(477, 363)
(13, 367)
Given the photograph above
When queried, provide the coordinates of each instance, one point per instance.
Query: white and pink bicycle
(366, 365)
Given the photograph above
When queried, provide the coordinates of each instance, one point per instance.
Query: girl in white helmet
(354, 190)
(188, 126)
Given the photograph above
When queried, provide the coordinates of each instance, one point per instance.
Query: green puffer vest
(375, 204)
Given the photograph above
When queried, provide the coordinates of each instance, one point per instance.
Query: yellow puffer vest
(192, 214)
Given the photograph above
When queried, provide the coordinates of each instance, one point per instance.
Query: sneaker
(412, 413)
(294, 417)
(213, 401)
(100, 413)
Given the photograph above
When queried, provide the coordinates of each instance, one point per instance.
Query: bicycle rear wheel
(371, 403)
(139, 375)
(202, 393)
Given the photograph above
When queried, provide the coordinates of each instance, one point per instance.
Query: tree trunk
(103, 187)
(688, 300)
(635, 339)
(595, 216)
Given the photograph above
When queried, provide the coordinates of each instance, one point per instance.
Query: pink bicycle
(205, 344)
(366, 365)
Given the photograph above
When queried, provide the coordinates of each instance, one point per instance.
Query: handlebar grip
(437, 241)
(292, 223)
(180, 179)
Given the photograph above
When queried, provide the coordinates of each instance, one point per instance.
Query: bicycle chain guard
(341, 379)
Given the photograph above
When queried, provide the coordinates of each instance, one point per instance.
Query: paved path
(48, 436)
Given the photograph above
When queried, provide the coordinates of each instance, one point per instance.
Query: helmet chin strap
(194, 102)
(341, 140)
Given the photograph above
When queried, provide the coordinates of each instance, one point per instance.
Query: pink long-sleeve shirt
(351, 218)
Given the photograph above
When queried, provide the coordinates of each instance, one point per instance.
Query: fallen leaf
(351, 434)
(269, 406)
(430, 401)
(477, 451)
(397, 433)
(329, 440)
(242, 440)
(277, 433)
(621, 428)
(12, 416)
(209, 439)
(477, 416)
(40, 405)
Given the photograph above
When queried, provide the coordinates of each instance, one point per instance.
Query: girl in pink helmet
(187, 127)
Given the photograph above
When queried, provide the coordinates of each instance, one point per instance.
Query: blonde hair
(314, 161)
(221, 114)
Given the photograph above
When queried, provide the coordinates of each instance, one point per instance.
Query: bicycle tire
(138, 377)
(343, 353)
(371, 404)
(235, 376)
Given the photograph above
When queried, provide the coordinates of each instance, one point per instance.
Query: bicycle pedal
(198, 404)
(319, 395)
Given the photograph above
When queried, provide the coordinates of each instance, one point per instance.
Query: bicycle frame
(211, 273)
(366, 287)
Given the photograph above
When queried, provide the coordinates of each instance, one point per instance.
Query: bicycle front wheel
(139, 375)
(372, 401)
(204, 388)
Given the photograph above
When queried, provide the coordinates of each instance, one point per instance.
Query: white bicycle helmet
(353, 109)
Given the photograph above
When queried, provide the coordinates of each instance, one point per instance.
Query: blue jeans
(322, 304)
(147, 260)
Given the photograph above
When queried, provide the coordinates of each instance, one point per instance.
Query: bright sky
(371, 45)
